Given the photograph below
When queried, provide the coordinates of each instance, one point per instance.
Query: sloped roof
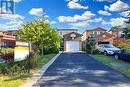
(98, 29)
(72, 33)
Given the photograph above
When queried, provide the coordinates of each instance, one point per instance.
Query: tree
(116, 28)
(40, 34)
(90, 44)
(127, 21)
(126, 44)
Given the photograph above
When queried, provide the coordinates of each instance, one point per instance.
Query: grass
(6, 81)
(108, 60)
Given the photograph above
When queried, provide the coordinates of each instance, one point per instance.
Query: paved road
(80, 70)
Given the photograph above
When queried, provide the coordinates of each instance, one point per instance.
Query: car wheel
(105, 53)
(116, 56)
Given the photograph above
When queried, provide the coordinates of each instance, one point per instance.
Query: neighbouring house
(116, 33)
(7, 40)
(105, 38)
(72, 42)
(94, 32)
(102, 36)
(9, 32)
(62, 32)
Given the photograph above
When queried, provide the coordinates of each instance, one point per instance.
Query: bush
(7, 50)
(34, 60)
(50, 50)
(96, 51)
(7, 54)
(88, 48)
(16, 69)
(9, 57)
(2, 68)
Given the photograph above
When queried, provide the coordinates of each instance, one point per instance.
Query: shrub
(9, 57)
(2, 68)
(88, 48)
(7, 54)
(125, 45)
(50, 50)
(96, 51)
(7, 50)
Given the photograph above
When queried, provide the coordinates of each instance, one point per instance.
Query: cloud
(80, 24)
(53, 22)
(66, 19)
(73, 0)
(98, 19)
(104, 13)
(75, 5)
(105, 0)
(11, 25)
(46, 16)
(117, 22)
(14, 22)
(50, 22)
(118, 6)
(85, 16)
(11, 17)
(104, 22)
(36, 12)
(124, 14)
(17, 1)
(106, 7)
(47, 21)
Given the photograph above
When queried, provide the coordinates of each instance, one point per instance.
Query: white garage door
(72, 46)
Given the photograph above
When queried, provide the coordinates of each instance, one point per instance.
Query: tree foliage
(127, 30)
(116, 28)
(125, 45)
(90, 44)
(40, 34)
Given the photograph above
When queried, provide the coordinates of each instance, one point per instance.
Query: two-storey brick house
(88, 33)
(71, 41)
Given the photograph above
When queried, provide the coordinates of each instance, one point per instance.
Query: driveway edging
(37, 76)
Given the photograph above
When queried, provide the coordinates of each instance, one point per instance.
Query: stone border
(37, 76)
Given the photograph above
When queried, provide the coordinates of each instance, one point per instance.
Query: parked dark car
(123, 55)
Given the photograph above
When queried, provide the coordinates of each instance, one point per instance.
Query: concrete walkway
(80, 70)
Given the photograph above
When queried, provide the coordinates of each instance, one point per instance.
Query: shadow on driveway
(80, 70)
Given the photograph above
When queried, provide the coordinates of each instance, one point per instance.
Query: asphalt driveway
(80, 70)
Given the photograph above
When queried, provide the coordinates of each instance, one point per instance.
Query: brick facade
(101, 35)
(68, 37)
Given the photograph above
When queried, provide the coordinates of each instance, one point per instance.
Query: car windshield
(108, 46)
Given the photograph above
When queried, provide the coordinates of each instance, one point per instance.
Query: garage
(72, 46)
(72, 42)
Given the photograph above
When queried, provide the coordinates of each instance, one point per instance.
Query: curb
(37, 76)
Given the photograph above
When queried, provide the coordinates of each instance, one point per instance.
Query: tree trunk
(42, 51)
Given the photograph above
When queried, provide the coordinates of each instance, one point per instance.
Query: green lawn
(6, 81)
(110, 61)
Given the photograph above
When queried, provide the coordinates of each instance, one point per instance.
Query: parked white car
(108, 49)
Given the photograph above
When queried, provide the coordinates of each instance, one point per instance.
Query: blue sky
(77, 14)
